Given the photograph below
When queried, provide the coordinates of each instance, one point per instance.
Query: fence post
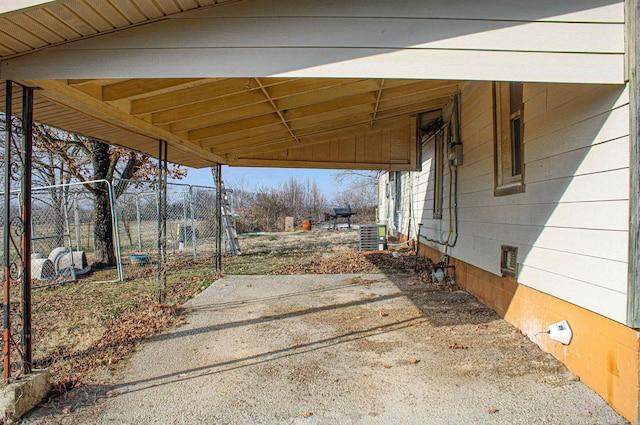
(116, 230)
(65, 204)
(193, 225)
(139, 221)
(76, 219)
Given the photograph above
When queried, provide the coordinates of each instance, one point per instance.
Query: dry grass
(82, 330)
(270, 252)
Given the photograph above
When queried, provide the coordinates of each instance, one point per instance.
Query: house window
(387, 185)
(397, 191)
(438, 174)
(509, 138)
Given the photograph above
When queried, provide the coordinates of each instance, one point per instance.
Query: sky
(264, 177)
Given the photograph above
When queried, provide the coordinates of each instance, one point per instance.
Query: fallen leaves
(82, 328)
(360, 262)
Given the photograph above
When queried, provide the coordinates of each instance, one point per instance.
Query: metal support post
(6, 304)
(218, 185)
(27, 148)
(162, 221)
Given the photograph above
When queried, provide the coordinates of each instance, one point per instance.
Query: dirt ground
(360, 348)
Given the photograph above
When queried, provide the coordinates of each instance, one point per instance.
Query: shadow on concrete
(267, 356)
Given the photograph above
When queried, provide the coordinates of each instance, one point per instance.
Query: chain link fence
(73, 241)
(71, 322)
(191, 224)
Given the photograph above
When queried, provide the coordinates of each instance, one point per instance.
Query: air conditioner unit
(373, 237)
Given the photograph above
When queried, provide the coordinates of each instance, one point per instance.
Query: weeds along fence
(67, 246)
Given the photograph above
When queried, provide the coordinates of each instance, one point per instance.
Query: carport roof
(295, 84)
(237, 121)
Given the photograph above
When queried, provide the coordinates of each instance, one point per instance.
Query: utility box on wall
(373, 237)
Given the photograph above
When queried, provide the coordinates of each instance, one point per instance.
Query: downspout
(633, 54)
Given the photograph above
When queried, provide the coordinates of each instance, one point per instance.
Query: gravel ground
(340, 349)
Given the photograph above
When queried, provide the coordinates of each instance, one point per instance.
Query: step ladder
(230, 236)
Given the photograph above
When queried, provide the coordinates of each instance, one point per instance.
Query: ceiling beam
(331, 105)
(214, 105)
(222, 117)
(175, 99)
(323, 94)
(264, 136)
(60, 92)
(360, 112)
(341, 129)
(215, 88)
(137, 87)
(275, 107)
(252, 162)
(375, 109)
(103, 82)
(246, 125)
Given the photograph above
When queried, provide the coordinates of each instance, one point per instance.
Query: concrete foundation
(17, 398)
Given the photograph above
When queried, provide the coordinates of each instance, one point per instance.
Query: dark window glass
(516, 146)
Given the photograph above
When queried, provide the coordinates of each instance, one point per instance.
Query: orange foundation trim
(605, 354)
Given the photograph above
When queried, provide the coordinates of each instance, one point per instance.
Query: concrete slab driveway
(348, 349)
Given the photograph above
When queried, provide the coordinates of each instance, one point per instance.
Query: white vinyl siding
(465, 40)
(571, 224)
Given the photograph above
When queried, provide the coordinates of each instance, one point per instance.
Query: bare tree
(264, 208)
(359, 190)
(61, 157)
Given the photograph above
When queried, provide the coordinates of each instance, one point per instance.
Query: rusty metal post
(6, 304)
(27, 150)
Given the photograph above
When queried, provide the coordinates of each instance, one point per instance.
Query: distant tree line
(263, 209)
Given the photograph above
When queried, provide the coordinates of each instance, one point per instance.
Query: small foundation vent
(509, 260)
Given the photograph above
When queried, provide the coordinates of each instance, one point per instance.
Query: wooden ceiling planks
(134, 89)
(236, 127)
(232, 117)
(204, 119)
(209, 90)
(244, 122)
(229, 115)
(222, 114)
